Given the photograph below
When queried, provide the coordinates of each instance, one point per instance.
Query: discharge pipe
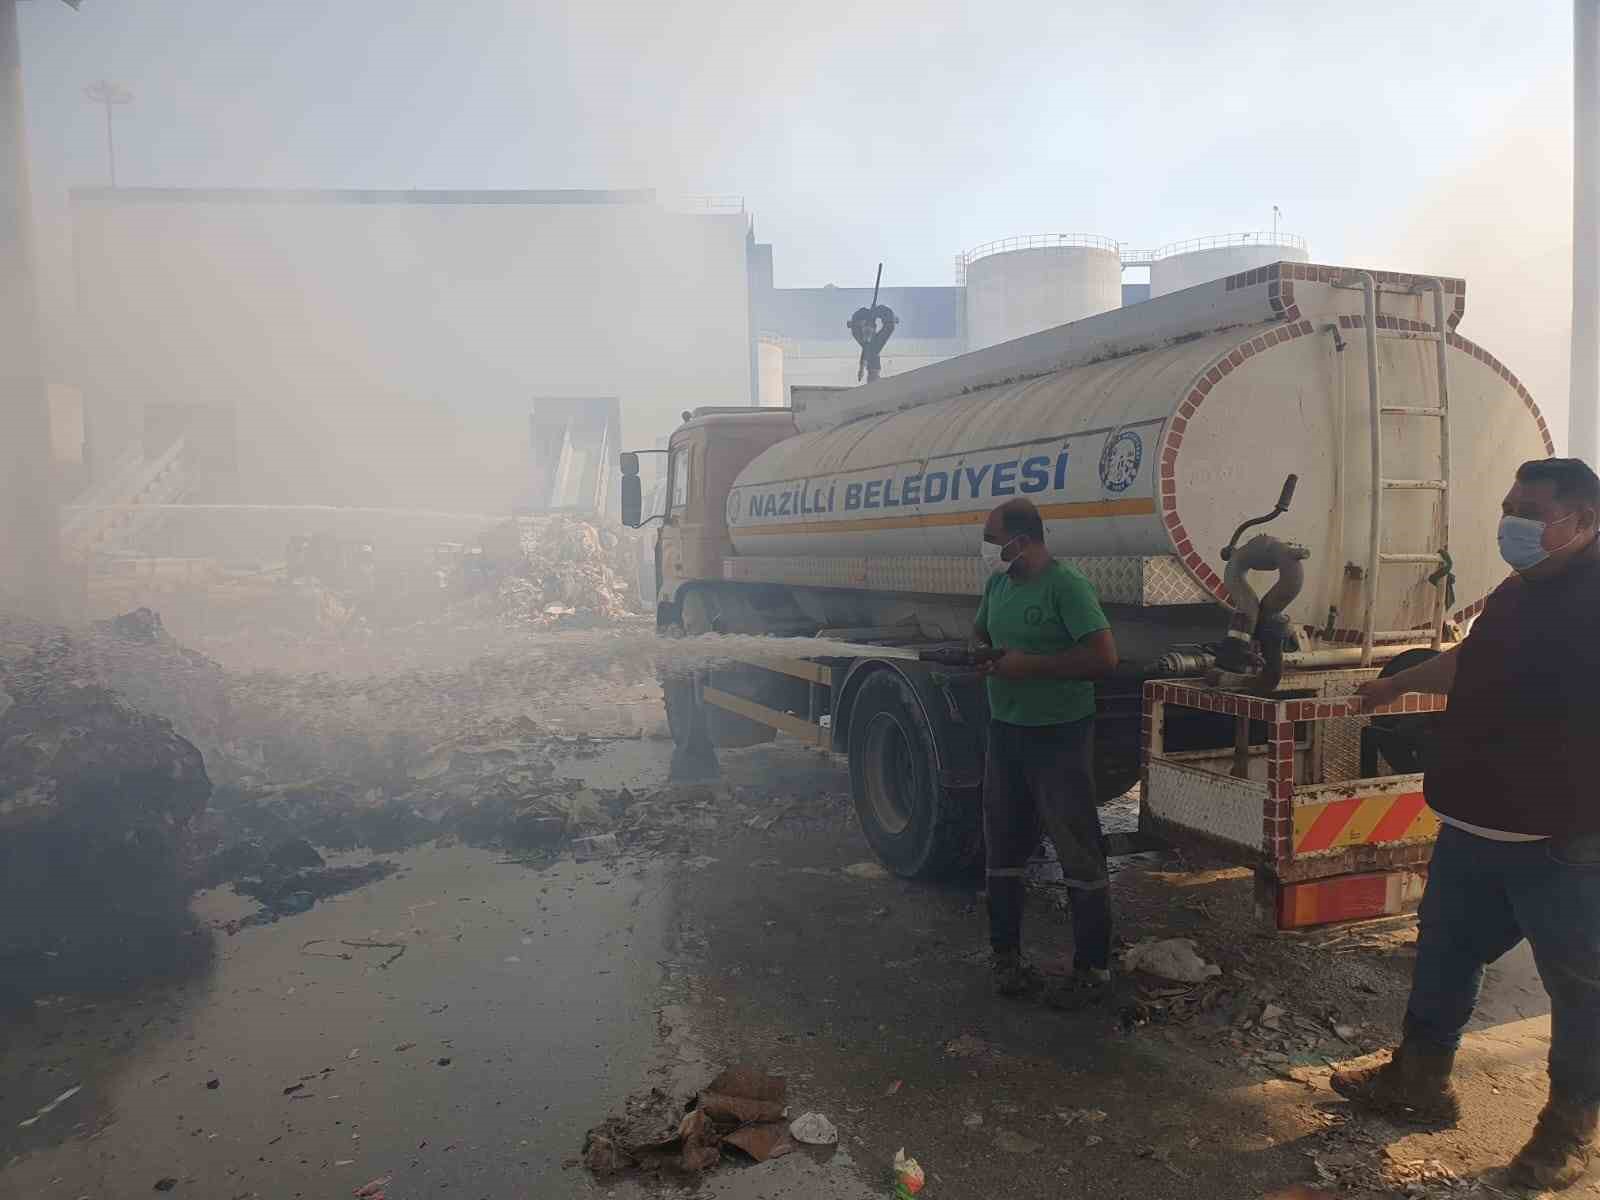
(1261, 618)
(1182, 663)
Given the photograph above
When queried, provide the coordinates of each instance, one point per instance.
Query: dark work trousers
(1483, 897)
(1044, 774)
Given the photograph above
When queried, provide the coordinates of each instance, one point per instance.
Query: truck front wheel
(917, 827)
(693, 756)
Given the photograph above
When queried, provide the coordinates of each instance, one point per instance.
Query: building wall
(384, 348)
(813, 363)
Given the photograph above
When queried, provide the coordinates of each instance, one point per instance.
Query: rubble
(559, 569)
(743, 1107)
(96, 800)
(813, 1129)
(286, 893)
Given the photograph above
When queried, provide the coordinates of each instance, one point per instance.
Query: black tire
(1401, 740)
(918, 828)
(1110, 783)
(693, 755)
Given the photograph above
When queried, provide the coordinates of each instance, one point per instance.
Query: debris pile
(289, 878)
(1249, 1024)
(559, 568)
(96, 800)
(1356, 1155)
(742, 1108)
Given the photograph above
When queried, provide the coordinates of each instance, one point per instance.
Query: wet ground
(458, 1026)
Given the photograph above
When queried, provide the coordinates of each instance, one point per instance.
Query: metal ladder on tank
(1438, 553)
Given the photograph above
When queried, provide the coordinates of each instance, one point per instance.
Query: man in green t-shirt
(1057, 641)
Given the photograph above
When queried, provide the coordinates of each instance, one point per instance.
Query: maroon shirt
(1516, 749)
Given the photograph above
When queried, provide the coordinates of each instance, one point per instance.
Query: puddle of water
(521, 1010)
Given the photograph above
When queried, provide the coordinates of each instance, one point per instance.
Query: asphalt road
(529, 1002)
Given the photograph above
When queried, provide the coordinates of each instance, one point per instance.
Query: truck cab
(704, 456)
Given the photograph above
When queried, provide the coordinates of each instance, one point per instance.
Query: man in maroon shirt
(1511, 776)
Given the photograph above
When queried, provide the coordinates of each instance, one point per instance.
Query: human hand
(1013, 664)
(1375, 692)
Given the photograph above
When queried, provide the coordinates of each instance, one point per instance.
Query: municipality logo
(1119, 461)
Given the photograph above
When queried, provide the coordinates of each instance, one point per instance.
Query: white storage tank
(770, 389)
(1021, 285)
(1200, 260)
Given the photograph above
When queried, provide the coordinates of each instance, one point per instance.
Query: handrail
(1217, 241)
(1129, 257)
(1040, 241)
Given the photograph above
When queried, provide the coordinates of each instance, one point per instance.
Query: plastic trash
(907, 1175)
(51, 1107)
(866, 870)
(1170, 958)
(813, 1129)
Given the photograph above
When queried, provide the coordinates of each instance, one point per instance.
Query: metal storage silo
(1021, 285)
(1200, 260)
(770, 389)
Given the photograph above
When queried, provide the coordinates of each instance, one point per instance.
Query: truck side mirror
(630, 463)
(632, 499)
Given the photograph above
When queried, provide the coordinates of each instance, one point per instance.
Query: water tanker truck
(1158, 442)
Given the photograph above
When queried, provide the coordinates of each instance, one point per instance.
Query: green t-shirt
(1047, 614)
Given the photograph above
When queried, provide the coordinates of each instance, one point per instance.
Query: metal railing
(1032, 241)
(1036, 241)
(1290, 241)
(1129, 257)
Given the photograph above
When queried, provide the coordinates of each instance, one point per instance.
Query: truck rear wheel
(916, 826)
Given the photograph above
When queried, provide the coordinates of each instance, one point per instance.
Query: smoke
(1503, 221)
(390, 353)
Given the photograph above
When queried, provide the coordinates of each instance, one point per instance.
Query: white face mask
(1522, 541)
(994, 556)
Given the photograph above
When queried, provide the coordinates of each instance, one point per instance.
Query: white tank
(1200, 260)
(770, 390)
(1159, 453)
(1021, 285)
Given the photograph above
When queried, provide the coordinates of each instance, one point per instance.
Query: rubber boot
(1557, 1154)
(1413, 1085)
(1084, 988)
(1010, 974)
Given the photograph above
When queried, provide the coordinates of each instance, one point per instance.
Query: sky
(1421, 135)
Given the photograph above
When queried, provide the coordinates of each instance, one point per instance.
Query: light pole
(1583, 411)
(1276, 213)
(109, 95)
